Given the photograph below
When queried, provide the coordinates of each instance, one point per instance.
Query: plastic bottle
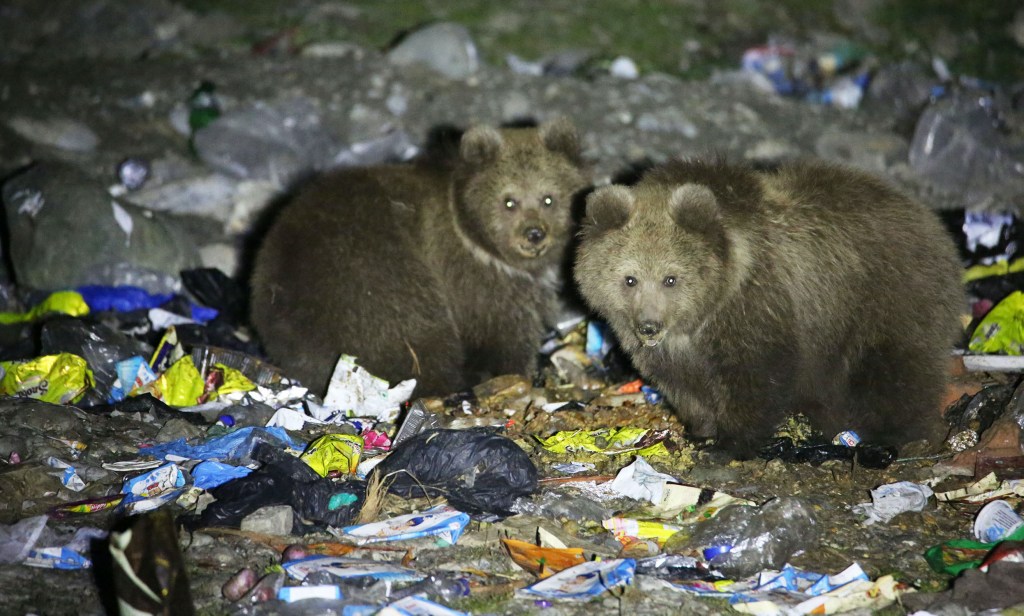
(440, 588)
(742, 540)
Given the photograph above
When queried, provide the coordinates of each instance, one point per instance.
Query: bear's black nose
(535, 235)
(649, 328)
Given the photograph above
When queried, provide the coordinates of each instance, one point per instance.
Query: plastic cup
(996, 521)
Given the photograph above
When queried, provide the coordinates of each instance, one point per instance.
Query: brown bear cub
(441, 272)
(744, 296)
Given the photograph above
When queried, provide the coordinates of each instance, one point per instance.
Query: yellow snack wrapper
(58, 379)
(334, 452)
(609, 441)
(65, 302)
(234, 381)
(626, 529)
(1002, 329)
(179, 385)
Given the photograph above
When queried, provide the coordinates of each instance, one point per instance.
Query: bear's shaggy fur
(745, 296)
(441, 272)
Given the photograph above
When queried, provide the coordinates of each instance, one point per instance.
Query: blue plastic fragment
(232, 446)
(123, 298)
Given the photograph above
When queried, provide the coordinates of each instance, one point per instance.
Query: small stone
(444, 47)
(273, 520)
(62, 133)
(624, 68)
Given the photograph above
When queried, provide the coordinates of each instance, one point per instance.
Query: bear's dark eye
(510, 203)
(670, 281)
(548, 201)
(630, 281)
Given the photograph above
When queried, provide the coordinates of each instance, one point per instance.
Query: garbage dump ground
(154, 461)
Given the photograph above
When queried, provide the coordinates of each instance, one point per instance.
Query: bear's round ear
(480, 145)
(694, 206)
(609, 207)
(559, 135)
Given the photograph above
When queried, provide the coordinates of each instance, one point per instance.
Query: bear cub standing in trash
(744, 296)
(443, 272)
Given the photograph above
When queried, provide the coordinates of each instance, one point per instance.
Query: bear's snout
(650, 332)
(533, 240)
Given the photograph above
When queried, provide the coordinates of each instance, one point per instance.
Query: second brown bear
(745, 296)
(443, 273)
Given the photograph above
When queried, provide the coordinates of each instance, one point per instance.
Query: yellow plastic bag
(334, 452)
(179, 385)
(65, 302)
(234, 381)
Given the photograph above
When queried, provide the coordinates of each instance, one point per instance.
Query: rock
(210, 195)
(668, 120)
(275, 142)
(65, 229)
(444, 47)
(176, 428)
(61, 133)
(390, 147)
(874, 152)
(273, 520)
(898, 92)
(1016, 27)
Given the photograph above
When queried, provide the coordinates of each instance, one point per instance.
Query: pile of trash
(359, 491)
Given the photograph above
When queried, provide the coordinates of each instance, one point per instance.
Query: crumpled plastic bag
(478, 471)
(235, 446)
(64, 302)
(283, 480)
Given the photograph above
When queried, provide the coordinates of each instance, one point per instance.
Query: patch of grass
(990, 53)
(689, 38)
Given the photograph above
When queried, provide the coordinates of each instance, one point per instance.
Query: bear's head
(652, 260)
(514, 191)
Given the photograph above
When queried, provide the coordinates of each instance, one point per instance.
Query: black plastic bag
(478, 471)
(283, 480)
(866, 455)
(216, 289)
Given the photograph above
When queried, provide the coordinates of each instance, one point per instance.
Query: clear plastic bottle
(742, 540)
(441, 588)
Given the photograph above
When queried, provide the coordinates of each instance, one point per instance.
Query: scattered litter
(417, 606)
(609, 441)
(542, 561)
(892, 499)
(442, 522)
(641, 482)
(583, 581)
(358, 393)
(627, 529)
(344, 568)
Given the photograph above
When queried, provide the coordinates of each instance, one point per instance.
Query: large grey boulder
(66, 230)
